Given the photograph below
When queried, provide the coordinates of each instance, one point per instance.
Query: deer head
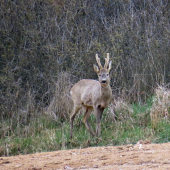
(103, 73)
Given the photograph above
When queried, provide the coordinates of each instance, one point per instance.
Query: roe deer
(92, 95)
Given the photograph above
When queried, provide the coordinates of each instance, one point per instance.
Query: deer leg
(86, 120)
(98, 112)
(73, 114)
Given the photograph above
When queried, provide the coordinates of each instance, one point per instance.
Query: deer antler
(106, 61)
(98, 61)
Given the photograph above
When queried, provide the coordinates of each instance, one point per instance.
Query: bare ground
(129, 157)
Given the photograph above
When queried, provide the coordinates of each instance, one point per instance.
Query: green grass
(42, 134)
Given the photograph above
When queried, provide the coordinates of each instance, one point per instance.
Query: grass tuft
(161, 106)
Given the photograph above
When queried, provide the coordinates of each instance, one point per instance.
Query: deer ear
(96, 69)
(110, 66)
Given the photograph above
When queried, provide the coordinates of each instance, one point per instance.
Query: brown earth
(129, 157)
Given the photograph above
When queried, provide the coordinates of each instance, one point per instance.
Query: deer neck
(106, 92)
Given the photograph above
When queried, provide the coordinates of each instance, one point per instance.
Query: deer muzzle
(103, 81)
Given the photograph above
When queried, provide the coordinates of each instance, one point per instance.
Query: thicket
(48, 45)
(41, 39)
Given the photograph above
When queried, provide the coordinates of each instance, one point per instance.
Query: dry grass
(120, 109)
(61, 104)
(161, 105)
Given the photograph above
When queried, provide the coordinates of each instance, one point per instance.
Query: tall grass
(122, 123)
(161, 106)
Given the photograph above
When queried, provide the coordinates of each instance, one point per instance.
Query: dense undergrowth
(128, 124)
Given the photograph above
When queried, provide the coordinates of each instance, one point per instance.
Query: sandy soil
(128, 157)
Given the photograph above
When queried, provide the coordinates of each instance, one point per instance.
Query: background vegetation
(48, 45)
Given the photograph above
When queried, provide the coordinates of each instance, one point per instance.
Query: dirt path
(129, 157)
